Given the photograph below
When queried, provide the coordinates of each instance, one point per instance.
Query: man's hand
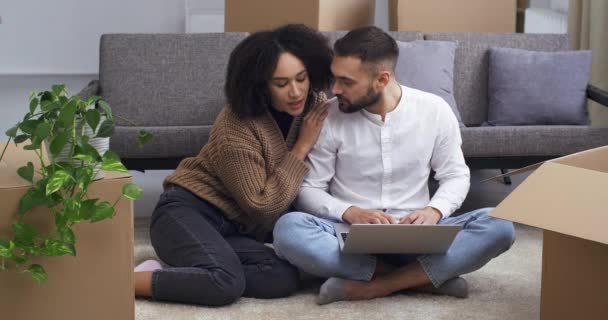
(428, 215)
(356, 215)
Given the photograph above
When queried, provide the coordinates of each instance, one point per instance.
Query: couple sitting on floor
(278, 143)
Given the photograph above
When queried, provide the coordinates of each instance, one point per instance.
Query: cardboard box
(322, 15)
(452, 15)
(568, 198)
(97, 283)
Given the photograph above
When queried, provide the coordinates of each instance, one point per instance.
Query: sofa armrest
(598, 95)
(92, 89)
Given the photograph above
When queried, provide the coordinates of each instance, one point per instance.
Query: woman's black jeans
(211, 262)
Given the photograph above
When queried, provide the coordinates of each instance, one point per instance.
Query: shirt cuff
(443, 206)
(337, 209)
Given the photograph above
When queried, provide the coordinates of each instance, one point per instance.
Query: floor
(506, 288)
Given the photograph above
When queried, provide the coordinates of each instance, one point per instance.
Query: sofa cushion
(537, 88)
(429, 66)
(518, 141)
(471, 64)
(169, 142)
(165, 79)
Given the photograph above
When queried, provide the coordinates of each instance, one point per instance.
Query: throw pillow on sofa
(429, 66)
(537, 88)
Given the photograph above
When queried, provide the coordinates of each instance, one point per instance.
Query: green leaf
(84, 176)
(47, 106)
(66, 235)
(59, 179)
(21, 138)
(19, 260)
(86, 153)
(25, 236)
(6, 248)
(38, 273)
(46, 96)
(12, 132)
(106, 129)
(33, 105)
(92, 100)
(87, 208)
(102, 211)
(43, 130)
(82, 140)
(106, 109)
(111, 162)
(60, 220)
(58, 143)
(68, 113)
(32, 198)
(27, 172)
(58, 89)
(29, 126)
(132, 191)
(56, 248)
(92, 117)
(144, 137)
(71, 210)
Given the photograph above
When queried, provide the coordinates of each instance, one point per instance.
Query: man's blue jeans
(310, 243)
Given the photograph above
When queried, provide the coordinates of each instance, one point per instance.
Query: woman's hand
(310, 130)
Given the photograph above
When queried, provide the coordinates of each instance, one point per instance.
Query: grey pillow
(429, 66)
(537, 88)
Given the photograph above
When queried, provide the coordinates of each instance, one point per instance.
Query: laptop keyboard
(344, 235)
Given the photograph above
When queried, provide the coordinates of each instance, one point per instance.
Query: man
(371, 164)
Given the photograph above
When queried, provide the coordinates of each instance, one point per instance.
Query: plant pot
(100, 144)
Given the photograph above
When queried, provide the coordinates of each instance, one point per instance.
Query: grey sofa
(172, 85)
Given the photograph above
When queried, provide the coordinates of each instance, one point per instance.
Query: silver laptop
(396, 238)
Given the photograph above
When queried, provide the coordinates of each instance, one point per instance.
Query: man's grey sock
(456, 287)
(331, 290)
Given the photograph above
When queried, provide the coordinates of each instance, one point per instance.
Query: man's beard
(369, 99)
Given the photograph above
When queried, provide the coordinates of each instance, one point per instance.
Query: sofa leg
(506, 180)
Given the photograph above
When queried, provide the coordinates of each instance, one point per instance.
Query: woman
(219, 207)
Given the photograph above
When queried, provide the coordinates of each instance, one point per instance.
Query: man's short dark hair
(370, 44)
(253, 61)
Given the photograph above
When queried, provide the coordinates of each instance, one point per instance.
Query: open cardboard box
(322, 15)
(452, 15)
(567, 197)
(97, 283)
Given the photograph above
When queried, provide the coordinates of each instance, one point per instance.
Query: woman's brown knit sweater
(246, 169)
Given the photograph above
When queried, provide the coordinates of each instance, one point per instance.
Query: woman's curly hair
(253, 61)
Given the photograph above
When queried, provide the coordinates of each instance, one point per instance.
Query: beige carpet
(506, 288)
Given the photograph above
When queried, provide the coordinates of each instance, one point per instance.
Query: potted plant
(70, 136)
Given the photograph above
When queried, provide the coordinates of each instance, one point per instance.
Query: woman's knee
(229, 287)
(283, 280)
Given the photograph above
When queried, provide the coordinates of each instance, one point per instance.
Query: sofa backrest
(165, 79)
(471, 64)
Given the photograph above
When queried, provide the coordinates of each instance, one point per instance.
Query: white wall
(62, 36)
(46, 42)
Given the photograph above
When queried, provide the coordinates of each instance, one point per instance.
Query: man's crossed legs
(310, 243)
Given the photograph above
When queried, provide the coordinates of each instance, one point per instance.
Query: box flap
(15, 157)
(514, 172)
(593, 159)
(560, 198)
